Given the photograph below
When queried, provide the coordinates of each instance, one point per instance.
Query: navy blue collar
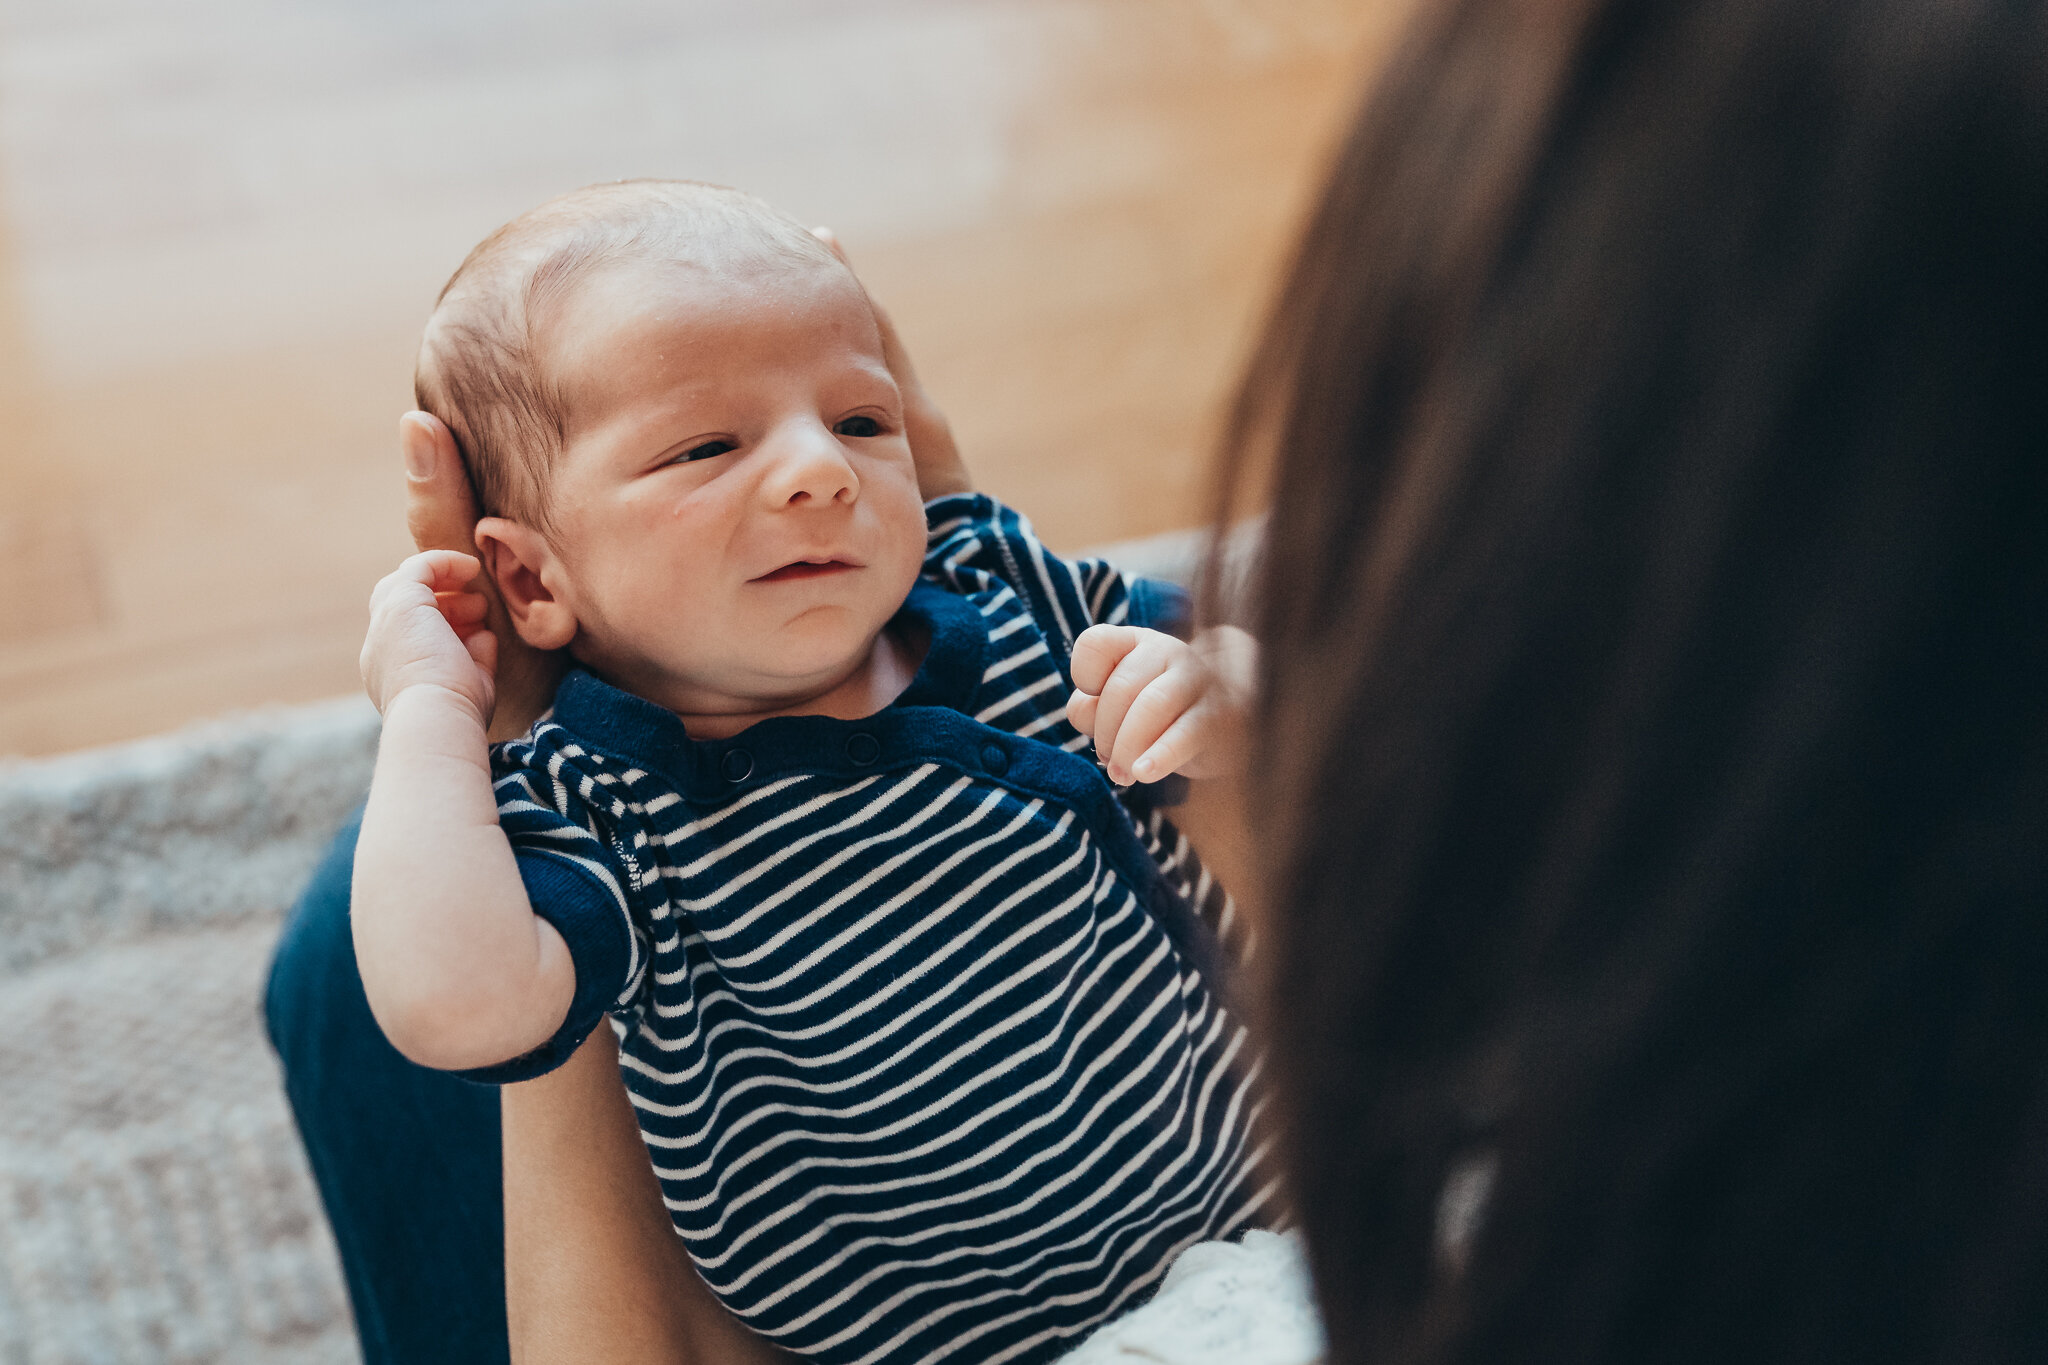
(624, 726)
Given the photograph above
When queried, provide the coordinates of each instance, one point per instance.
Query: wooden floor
(222, 223)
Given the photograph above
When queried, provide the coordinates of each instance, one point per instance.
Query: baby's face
(736, 511)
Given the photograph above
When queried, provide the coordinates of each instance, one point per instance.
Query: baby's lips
(810, 566)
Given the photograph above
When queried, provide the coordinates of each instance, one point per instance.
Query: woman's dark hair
(1655, 736)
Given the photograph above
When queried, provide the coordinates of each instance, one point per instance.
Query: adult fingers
(440, 507)
(940, 470)
(831, 240)
(893, 353)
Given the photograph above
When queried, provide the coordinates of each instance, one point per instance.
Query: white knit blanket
(154, 1202)
(1222, 1303)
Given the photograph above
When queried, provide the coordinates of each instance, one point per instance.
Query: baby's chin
(797, 672)
(809, 667)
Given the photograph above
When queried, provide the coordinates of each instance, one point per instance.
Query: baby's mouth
(806, 568)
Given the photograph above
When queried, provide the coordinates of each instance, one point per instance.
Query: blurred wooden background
(222, 223)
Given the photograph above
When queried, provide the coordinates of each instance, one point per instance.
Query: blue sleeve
(579, 879)
(1160, 605)
(976, 546)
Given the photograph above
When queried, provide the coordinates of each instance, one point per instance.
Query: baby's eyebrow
(875, 371)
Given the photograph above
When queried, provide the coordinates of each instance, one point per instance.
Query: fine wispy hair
(482, 362)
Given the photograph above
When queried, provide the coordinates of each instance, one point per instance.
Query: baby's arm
(459, 970)
(1156, 705)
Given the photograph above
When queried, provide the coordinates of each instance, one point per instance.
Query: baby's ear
(528, 574)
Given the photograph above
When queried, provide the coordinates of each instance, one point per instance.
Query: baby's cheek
(902, 526)
(907, 556)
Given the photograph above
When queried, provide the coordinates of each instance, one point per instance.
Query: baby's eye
(859, 426)
(706, 451)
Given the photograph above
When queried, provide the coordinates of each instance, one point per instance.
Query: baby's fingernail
(1144, 768)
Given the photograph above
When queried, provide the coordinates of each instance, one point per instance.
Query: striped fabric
(917, 1013)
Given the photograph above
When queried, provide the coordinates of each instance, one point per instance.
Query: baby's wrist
(433, 703)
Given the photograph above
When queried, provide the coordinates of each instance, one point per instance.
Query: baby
(918, 1013)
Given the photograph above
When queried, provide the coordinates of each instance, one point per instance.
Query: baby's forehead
(657, 292)
(634, 324)
(735, 279)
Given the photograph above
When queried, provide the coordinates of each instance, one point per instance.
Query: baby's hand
(426, 631)
(1156, 705)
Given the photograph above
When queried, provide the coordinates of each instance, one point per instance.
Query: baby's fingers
(1152, 714)
(437, 571)
(463, 610)
(441, 570)
(483, 648)
(1150, 658)
(425, 629)
(1097, 652)
(1176, 750)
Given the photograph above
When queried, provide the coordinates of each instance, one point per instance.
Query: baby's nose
(811, 467)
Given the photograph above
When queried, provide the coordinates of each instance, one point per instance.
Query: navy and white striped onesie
(916, 1014)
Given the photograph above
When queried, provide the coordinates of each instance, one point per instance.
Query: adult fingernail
(418, 451)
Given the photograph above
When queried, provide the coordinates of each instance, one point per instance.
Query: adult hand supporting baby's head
(940, 470)
(441, 514)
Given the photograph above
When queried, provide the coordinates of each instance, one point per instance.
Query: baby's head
(674, 406)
